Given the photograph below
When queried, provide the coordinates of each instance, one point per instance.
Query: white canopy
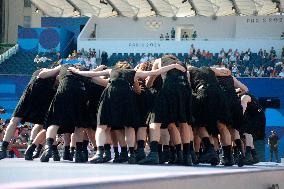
(167, 8)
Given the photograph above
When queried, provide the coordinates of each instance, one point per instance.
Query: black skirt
(235, 112)
(68, 109)
(35, 101)
(117, 107)
(209, 107)
(173, 105)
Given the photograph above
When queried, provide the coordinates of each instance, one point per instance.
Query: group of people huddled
(186, 115)
(242, 64)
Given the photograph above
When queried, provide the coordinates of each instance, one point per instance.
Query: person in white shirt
(246, 57)
(281, 74)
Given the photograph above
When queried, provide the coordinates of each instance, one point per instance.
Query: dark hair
(123, 65)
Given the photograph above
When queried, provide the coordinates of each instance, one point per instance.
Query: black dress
(209, 106)
(117, 107)
(69, 105)
(144, 104)
(94, 92)
(232, 100)
(35, 100)
(254, 118)
(173, 102)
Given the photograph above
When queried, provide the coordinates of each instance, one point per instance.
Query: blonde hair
(123, 65)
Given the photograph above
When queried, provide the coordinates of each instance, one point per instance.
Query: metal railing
(7, 54)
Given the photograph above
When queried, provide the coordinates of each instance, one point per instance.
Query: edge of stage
(18, 173)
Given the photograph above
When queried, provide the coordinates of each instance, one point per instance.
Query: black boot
(187, 161)
(208, 155)
(72, 153)
(255, 160)
(79, 157)
(85, 150)
(227, 159)
(239, 153)
(55, 153)
(153, 156)
(38, 151)
(123, 156)
(107, 153)
(164, 156)
(99, 156)
(173, 155)
(140, 154)
(47, 151)
(116, 155)
(66, 153)
(29, 152)
(3, 152)
(248, 156)
(132, 156)
(194, 158)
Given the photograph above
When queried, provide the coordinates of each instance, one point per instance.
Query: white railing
(7, 54)
(179, 39)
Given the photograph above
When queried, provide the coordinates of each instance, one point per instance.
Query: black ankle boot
(116, 157)
(248, 156)
(153, 156)
(72, 153)
(255, 160)
(29, 152)
(99, 156)
(194, 158)
(47, 151)
(79, 153)
(209, 155)
(227, 159)
(85, 150)
(173, 156)
(164, 156)
(55, 153)
(123, 156)
(132, 158)
(140, 154)
(38, 150)
(66, 153)
(3, 152)
(187, 161)
(107, 153)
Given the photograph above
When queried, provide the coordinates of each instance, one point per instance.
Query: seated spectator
(192, 49)
(282, 54)
(260, 53)
(246, 57)
(281, 74)
(230, 53)
(272, 52)
(161, 37)
(260, 72)
(222, 53)
(247, 72)
(248, 52)
(282, 35)
(88, 62)
(184, 36)
(233, 59)
(173, 33)
(225, 60)
(167, 36)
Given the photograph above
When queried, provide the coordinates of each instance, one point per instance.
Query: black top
(126, 75)
(273, 139)
(202, 76)
(227, 84)
(67, 78)
(254, 106)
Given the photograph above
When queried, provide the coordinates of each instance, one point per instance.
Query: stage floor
(18, 173)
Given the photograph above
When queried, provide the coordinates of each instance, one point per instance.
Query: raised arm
(90, 73)
(100, 81)
(221, 71)
(240, 85)
(245, 99)
(150, 79)
(144, 74)
(45, 73)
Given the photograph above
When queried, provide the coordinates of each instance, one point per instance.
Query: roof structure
(166, 8)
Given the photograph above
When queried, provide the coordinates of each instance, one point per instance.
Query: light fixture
(37, 10)
(183, 1)
(233, 8)
(153, 11)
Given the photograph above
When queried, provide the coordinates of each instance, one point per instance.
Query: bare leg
(11, 128)
(40, 137)
(101, 139)
(165, 137)
(36, 129)
(130, 137)
(225, 134)
(174, 133)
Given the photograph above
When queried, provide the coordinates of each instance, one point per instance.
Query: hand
(73, 70)
(180, 67)
(101, 67)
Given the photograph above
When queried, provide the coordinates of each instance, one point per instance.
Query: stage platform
(18, 173)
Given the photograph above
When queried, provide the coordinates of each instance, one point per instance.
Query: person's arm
(46, 73)
(90, 73)
(99, 68)
(245, 99)
(221, 71)
(144, 74)
(150, 79)
(238, 84)
(100, 81)
(137, 87)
